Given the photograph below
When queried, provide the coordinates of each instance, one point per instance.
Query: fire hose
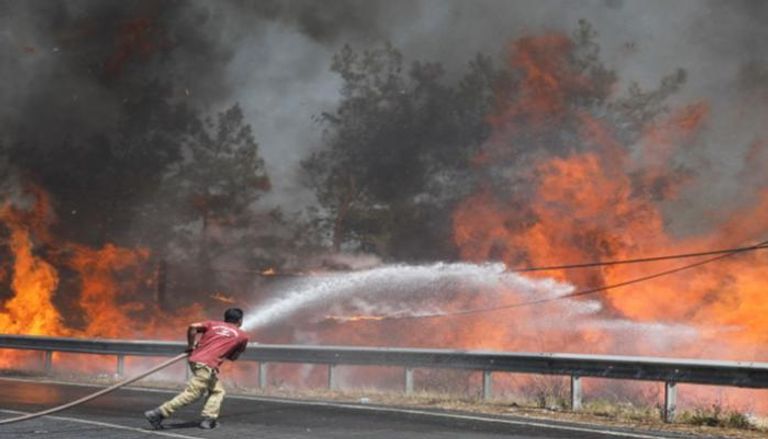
(92, 396)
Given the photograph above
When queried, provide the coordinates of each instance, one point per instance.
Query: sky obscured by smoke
(273, 58)
(280, 67)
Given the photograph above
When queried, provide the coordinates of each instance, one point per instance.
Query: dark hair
(233, 315)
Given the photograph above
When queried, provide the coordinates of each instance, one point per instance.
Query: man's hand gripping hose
(92, 396)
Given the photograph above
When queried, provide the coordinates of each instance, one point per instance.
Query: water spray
(398, 279)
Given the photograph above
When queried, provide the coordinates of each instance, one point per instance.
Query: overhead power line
(726, 251)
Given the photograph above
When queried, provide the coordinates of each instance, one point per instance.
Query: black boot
(209, 423)
(155, 418)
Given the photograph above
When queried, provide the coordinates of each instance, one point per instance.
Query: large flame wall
(115, 285)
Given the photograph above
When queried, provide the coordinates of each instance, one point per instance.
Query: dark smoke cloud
(70, 68)
(280, 67)
(717, 43)
(87, 84)
(273, 57)
(328, 22)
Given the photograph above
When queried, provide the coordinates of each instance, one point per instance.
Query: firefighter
(208, 343)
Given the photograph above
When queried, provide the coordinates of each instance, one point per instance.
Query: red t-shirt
(219, 340)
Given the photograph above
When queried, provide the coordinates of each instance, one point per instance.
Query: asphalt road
(119, 416)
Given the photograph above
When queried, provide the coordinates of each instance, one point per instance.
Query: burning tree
(107, 157)
(210, 194)
(397, 150)
(403, 150)
(573, 172)
(560, 105)
(544, 161)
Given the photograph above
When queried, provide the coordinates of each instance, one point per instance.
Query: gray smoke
(281, 70)
(273, 57)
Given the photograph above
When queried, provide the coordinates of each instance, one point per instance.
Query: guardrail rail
(667, 370)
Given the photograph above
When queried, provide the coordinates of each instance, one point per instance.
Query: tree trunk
(345, 201)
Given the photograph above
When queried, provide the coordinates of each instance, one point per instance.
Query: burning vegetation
(114, 298)
(568, 169)
(133, 211)
(596, 197)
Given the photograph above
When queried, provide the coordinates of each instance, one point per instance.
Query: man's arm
(192, 331)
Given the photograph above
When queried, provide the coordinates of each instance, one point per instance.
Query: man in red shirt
(219, 341)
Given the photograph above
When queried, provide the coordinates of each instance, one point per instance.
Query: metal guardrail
(669, 371)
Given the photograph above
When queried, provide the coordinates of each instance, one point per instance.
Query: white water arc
(393, 280)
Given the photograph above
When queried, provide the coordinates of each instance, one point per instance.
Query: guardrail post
(575, 393)
(408, 380)
(670, 400)
(487, 385)
(48, 361)
(262, 375)
(120, 365)
(332, 384)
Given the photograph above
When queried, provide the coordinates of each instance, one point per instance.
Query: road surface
(119, 416)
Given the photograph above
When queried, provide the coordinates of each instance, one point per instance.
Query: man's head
(234, 316)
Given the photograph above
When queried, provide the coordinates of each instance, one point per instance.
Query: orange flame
(574, 192)
(112, 282)
(99, 295)
(596, 199)
(31, 310)
(345, 319)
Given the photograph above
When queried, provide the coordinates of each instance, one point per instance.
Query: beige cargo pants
(203, 380)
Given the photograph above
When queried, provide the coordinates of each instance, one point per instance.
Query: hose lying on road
(101, 392)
